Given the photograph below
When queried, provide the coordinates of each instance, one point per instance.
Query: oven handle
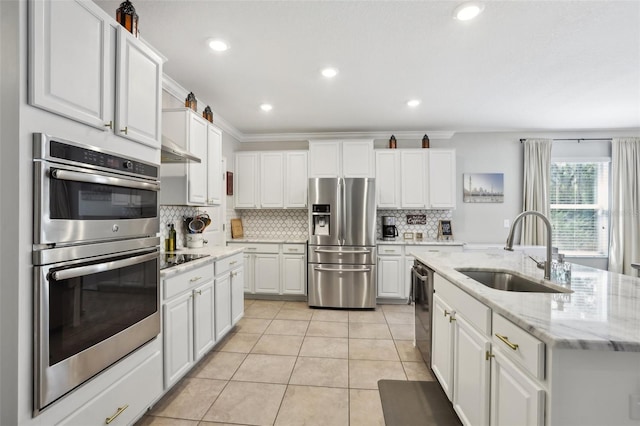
(81, 271)
(105, 180)
(318, 268)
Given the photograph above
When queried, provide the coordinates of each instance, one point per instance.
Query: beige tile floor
(287, 364)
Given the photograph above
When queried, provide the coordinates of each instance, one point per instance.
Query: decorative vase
(191, 101)
(392, 142)
(207, 114)
(127, 17)
(425, 141)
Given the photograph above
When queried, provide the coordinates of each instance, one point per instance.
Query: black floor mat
(409, 403)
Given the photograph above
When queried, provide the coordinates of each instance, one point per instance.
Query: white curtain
(625, 205)
(535, 192)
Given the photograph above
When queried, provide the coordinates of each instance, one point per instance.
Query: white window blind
(580, 206)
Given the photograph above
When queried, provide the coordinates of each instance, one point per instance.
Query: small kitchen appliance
(389, 230)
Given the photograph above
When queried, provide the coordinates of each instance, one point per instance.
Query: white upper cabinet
(185, 183)
(282, 179)
(214, 165)
(442, 179)
(401, 178)
(296, 181)
(271, 180)
(324, 159)
(86, 67)
(412, 179)
(139, 95)
(246, 180)
(387, 179)
(353, 158)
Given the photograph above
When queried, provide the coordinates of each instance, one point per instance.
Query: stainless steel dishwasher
(422, 295)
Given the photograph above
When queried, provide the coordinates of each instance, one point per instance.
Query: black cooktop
(169, 260)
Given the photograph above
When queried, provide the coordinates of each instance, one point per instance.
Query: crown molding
(290, 137)
(177, 91)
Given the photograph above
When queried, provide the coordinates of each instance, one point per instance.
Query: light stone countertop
(602, 313)
(402, 242)
(214, 253)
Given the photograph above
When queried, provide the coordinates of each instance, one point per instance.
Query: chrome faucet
(509, 246)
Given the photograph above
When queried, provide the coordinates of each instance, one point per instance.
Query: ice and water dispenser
(321, 214)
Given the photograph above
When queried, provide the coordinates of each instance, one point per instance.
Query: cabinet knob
(488, 355)
(125, 130)
(233, 262)
(194, 279)
(116, 414)
(506, 341)
(199, 292)
(109, 125)
(446, 313)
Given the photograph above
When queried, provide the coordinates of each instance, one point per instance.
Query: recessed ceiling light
(413, 103)
(218, 45)
(329, 72)
(467, 11)
(266, 107)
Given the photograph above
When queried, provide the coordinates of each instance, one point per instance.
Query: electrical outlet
(634, 406)
(506, 223)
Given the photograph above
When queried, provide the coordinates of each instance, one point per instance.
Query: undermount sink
(505, 281)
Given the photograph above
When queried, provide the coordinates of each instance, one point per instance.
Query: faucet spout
(509, 243)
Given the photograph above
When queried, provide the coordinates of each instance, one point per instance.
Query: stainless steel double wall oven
(96, 261)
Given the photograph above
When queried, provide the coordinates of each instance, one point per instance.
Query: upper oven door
(73, 204)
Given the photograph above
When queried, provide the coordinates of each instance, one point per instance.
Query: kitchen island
(546, 358)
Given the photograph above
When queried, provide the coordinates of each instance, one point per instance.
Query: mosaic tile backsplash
(294, 224)
(430, 229)
(272, 223)
(175, 214)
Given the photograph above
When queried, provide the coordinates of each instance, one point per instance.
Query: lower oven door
(422, 289)
(342, 286)
(90, 313)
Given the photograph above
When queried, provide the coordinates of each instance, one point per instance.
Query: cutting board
(236, 228)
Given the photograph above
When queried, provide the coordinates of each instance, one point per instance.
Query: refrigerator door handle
(343, 212)
(320, 268)
(365, 251)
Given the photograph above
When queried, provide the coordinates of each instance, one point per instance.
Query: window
(580, 206)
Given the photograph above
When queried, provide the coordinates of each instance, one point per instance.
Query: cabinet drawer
(173, 286)
(228, 263)
(529, 352)
(389, 250)
(261, 248)
(135, 391)
(293, 248)
(436, 248)
(471, 309)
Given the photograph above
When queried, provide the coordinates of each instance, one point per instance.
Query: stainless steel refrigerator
(342, 243)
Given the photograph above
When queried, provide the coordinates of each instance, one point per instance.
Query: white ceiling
(521, 65)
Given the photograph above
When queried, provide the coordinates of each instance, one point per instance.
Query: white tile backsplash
(175, 215)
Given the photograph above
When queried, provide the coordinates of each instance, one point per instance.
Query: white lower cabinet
(394, 267)
(274, 269)
(126, 399)
(237, 294)
(442, 344)
(267, 273)
(515, 398)
(471, 373)
(294, 268)
(223, 310)
(489, 380)
(187, 320)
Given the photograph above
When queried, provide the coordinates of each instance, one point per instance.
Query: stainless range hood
(171, 152)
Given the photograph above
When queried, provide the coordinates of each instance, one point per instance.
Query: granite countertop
(269, 240)
(602, 312)
(214, 253)
(422, 243)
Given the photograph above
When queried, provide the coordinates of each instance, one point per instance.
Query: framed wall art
(483, 188)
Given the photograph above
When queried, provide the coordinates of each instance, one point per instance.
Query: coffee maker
(389, 230)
